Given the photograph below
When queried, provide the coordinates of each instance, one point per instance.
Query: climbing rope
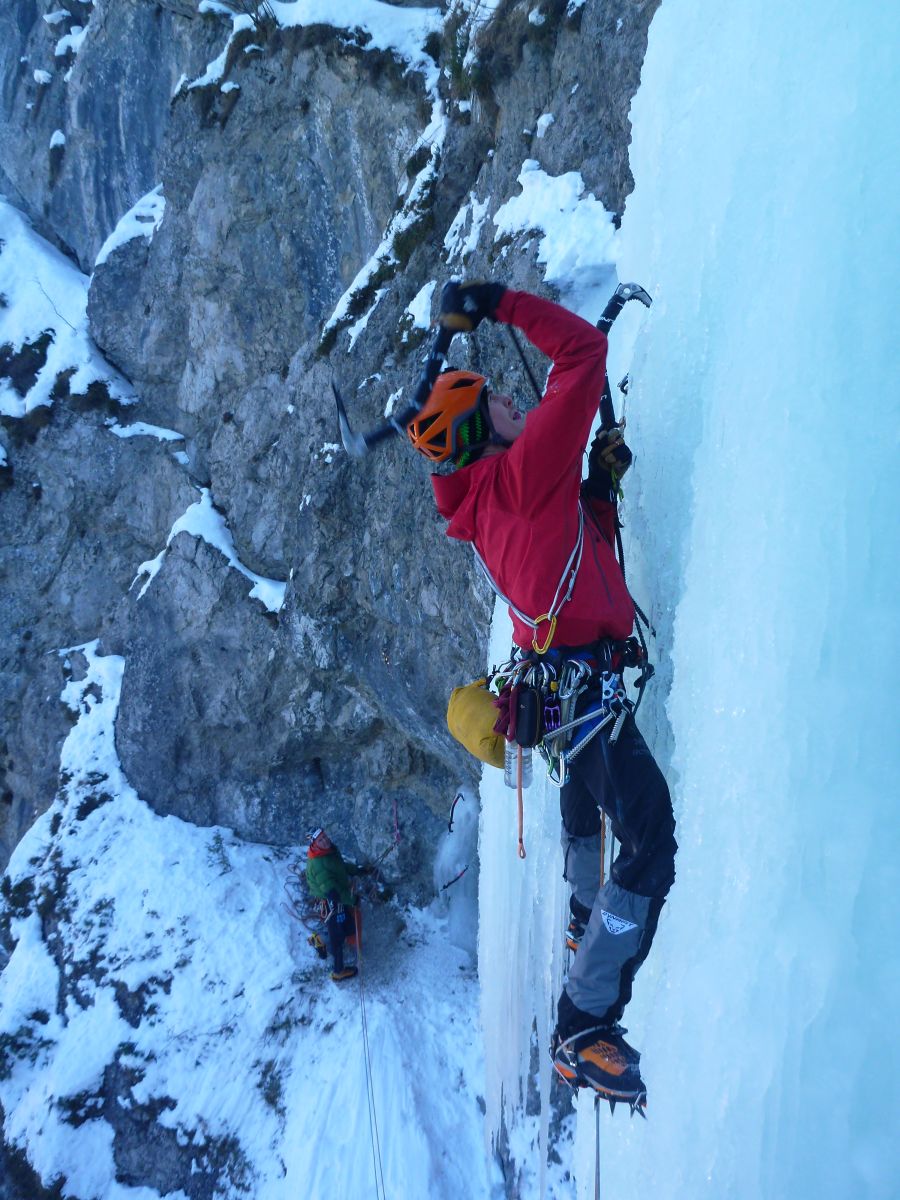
(597, 1147)
(602, 848)
(520, 803)
(380, 1192)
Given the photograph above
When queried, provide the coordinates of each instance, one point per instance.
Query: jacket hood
(319, 852)
(456, 497)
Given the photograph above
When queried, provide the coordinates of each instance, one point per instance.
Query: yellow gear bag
(471, 715)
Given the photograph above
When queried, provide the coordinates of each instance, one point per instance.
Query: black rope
(456, 800)
(455, 879)
(531, 379)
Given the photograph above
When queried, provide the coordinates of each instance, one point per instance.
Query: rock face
(282, 170)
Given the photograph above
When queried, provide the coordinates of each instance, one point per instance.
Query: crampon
(601, 1059)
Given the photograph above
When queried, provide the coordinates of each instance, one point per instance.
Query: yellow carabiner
(546, 646)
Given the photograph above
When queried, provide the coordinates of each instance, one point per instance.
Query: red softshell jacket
(520, 508)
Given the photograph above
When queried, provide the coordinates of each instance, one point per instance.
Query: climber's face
(507, 421)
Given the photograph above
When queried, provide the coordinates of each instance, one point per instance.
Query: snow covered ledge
(203, 520)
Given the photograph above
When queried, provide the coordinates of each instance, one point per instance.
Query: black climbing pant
(624, 781)
(338, 931)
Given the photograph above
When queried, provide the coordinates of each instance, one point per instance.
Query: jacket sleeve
(603, 513)
(548, 454)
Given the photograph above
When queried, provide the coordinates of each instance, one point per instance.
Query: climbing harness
(537, 698)
(537, 695)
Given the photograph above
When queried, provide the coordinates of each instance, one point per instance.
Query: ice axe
(358, 445)
(620, 297)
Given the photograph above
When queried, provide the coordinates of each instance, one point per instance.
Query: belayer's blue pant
(338, 931)
(624, 781)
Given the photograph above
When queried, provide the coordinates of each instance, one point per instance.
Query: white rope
(380, 1192)
(597, 1148)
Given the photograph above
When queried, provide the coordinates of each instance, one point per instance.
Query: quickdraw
(538, 699)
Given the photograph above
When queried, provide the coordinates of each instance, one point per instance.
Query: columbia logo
(615, 924)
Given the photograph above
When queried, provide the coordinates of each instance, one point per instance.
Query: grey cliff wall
(278, 191)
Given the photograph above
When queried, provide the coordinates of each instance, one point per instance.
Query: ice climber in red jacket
(517, 495)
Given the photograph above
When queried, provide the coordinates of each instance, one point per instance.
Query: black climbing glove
(465, 305)
(608, 454)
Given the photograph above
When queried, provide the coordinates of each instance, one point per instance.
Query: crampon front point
(601, 1059)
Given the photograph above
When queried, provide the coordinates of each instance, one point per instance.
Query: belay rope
(370, 1086)
(597, 1147)
(377, 1167)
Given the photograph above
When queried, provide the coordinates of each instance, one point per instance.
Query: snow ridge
(45, 314)
(203, 520)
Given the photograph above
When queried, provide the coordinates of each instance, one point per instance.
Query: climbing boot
(346, 973)
(578, 919)
(601, 1059)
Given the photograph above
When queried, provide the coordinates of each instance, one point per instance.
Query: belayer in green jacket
(328, 878)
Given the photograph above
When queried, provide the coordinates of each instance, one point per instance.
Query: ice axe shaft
(358, 445)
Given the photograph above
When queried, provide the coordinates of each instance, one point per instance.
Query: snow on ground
(419, 308)
(414, 208)
(71, 42)
(216, 69)
(400, 30)
(385, 27)
(185, 976)
(203, 520)
(46, 295)
(142, 220)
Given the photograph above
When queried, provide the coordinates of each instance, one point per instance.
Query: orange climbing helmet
(454, 421)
